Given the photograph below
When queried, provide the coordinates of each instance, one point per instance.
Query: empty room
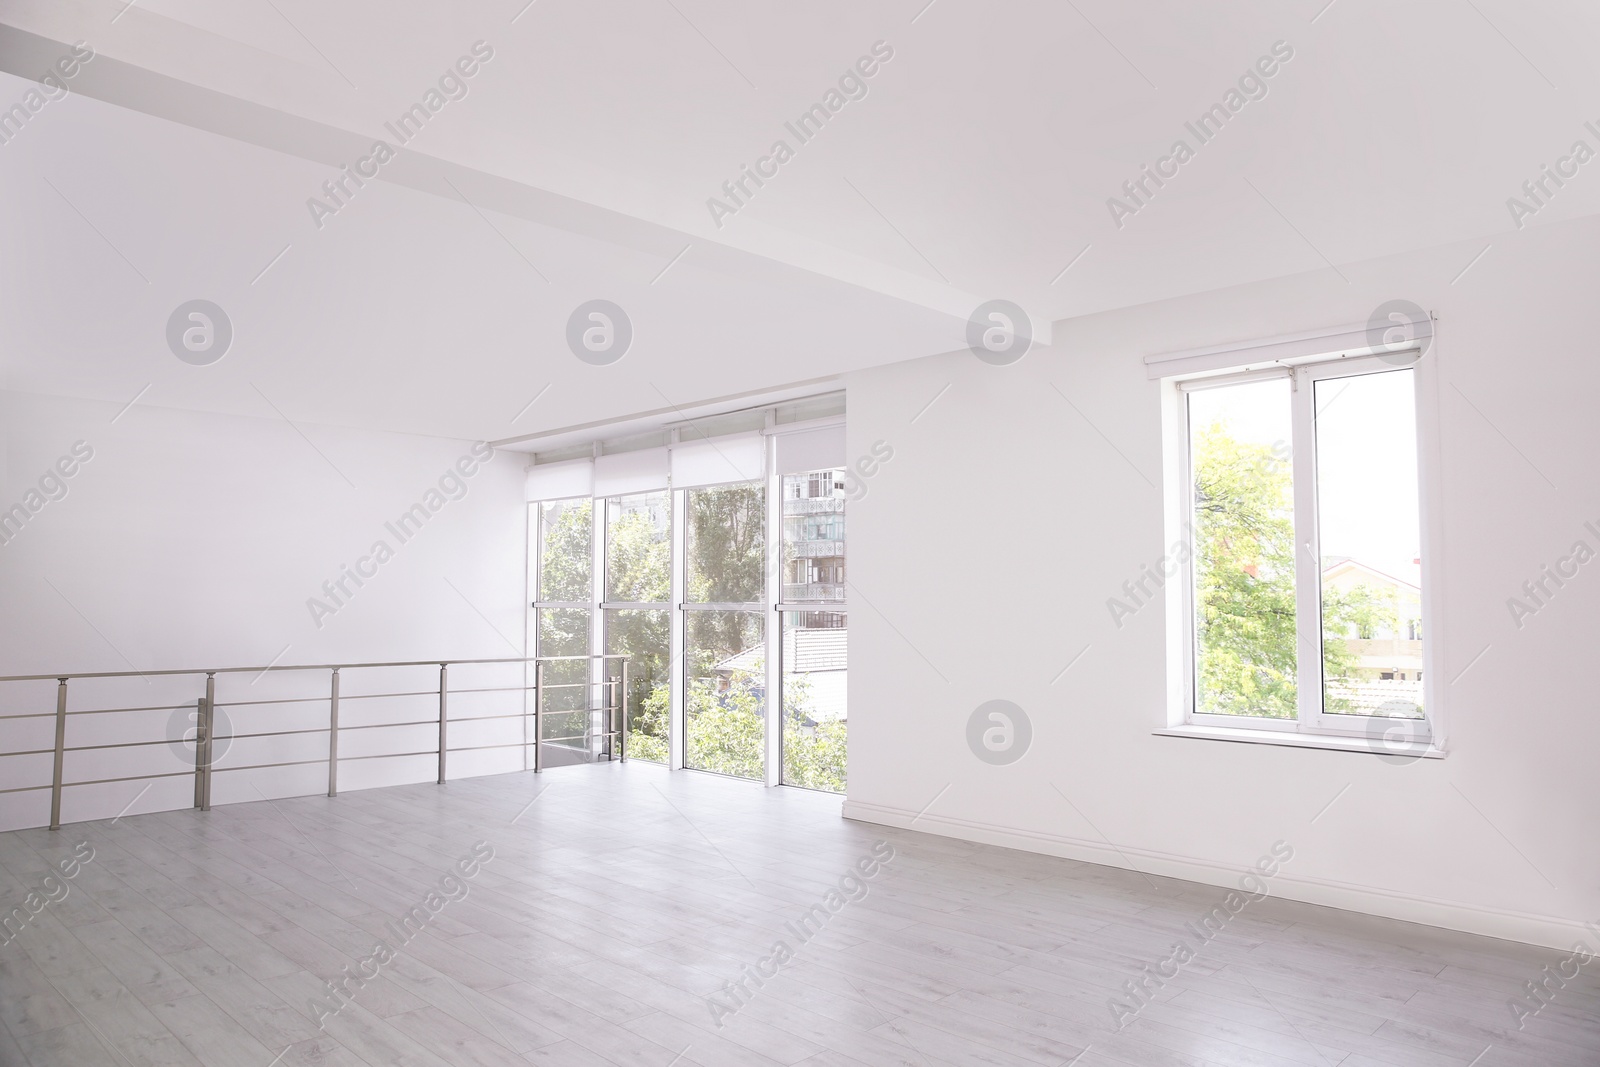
(675, 533)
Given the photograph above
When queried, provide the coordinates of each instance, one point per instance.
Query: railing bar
(282, 733)
(35, 752)
(381, 725)
(265, 766)
(112, 711)
(27, 788)
(579, 711)
(303, 667)
(389, 755)
(122, 744)
(291, 700)
(131, 778)
(492, 689)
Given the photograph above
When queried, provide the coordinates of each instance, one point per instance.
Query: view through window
(729, 628)
(564, 619)
(1355, 582)
(638, 578)
(814, 630)
(725, 645)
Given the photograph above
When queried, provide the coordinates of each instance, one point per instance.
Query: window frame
(757, 608)
(679, 608)
(778, 538)
(1312, 725)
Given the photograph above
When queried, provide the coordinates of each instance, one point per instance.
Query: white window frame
(1312, 726)
(770, 608)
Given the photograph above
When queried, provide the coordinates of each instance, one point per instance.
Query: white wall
(985, 549)
(196, 540)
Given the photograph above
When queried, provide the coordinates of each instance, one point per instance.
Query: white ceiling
(978, 166)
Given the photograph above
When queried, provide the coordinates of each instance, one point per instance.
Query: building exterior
(813, 541)
(1389, 661)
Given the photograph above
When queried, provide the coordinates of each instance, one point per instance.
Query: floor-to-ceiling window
(725, 681)
(638, 582)
(814, 629)
(713, 558)
(564, 609)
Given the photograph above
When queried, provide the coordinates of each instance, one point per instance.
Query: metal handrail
(615, 735)
(303, 667)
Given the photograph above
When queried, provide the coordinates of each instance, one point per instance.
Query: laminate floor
(622, 904)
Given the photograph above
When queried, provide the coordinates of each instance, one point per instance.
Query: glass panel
(643, 635)
(1369, 533)
(1244, 581)
(725, 698)
(566, 530)
(565, 698)
(814, 721)
(639, 548)
(813, 536)
(726, 543)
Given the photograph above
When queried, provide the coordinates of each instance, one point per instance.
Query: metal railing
(614, 707)
(823, 592)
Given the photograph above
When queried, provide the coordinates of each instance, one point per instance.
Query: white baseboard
(1543, 930)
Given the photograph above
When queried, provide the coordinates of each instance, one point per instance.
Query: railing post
(211, 726)
(622, 735)
(199, 753)
(333, 737)
(608, 715)
(61, 754)
(444, 691)
(538, 710)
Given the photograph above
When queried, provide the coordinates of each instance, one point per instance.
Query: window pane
(725, 698)
(1369, 538)
(813, 536)
(726, 544)
(565, 534)
(814, 720)
(1244, 593)
(565, 697)
(638, 548)
(643, 637)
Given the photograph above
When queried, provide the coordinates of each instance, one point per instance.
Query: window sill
(1292, 739)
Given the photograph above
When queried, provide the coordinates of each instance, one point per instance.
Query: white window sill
(1293, 739)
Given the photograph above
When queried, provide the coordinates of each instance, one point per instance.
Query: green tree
(565, 562)
(647, 735)
(814, 754)
(725, 543)
(638, 562)
(564, 575)
(725, 729)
